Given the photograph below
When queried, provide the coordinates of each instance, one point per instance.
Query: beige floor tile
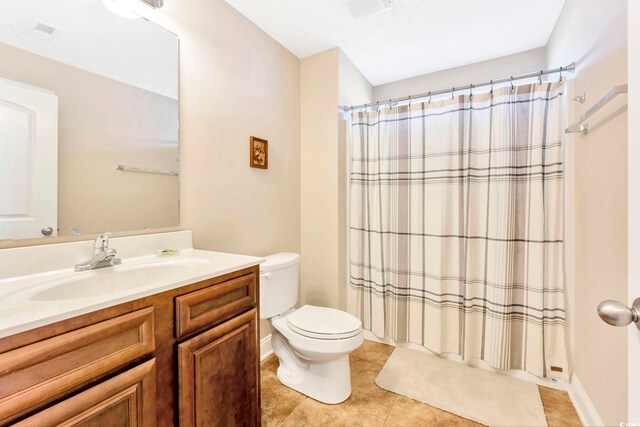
(558, 408)
(278, 401)
(366, 395)
(374, 352)
(313, 413)
(369, 405)
(270, 365)
(410, 413)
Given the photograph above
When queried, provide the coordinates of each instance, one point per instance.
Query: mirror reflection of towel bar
(125, 168)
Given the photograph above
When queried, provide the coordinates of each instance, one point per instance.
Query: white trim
(265, 348)
(27, 86)
(586, 411)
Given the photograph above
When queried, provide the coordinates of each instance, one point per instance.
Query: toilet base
(328, 381)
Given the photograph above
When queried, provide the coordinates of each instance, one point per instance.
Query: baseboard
(580, 399)
(265, 347)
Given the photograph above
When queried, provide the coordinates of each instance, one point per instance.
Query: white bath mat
(483, 396)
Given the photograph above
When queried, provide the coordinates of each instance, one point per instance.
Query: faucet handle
(102, 242)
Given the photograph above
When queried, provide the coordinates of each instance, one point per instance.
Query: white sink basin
(38, 286)
(109, 280)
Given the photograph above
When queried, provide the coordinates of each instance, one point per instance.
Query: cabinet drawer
(33, 375)
(204, 307)
(125, 400)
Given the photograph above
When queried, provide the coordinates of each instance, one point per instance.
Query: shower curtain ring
(429, 97)
(540, 78)
(491, 92)
(512, 83)
(453, 93)
(471, 92)
(560, 73)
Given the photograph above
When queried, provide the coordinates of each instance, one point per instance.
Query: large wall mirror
(88, 120)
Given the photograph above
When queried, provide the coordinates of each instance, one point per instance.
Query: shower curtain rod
(569, 68)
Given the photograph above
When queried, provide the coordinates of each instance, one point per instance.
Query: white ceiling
(414, 37)
(90, 37)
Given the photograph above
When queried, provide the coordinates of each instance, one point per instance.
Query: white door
(633, 183)
(28, 161)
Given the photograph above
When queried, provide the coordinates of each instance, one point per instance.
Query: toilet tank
(278, 284)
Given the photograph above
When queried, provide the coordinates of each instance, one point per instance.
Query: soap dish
(168, 252)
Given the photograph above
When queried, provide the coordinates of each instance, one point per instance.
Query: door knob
(47, 231)
(618, 314)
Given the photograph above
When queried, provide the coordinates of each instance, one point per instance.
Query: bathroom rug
(480, 395)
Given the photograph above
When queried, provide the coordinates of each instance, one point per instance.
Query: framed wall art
(259, 153)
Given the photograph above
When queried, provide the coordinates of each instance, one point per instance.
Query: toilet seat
(326, 346)
(323, 323)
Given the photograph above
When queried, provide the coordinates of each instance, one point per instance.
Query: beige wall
(235, 82)
(594, 34)
(319, 160)
(633, 180)
(329, 79)
(97, 130)
(511, 65)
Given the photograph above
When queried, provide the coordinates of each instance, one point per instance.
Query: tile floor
(369, 405)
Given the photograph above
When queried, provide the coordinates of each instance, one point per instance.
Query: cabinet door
(218, 374)
(126, 400)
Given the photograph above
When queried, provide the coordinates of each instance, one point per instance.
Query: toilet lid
(322, 322)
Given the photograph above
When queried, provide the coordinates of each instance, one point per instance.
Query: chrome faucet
(103, 256)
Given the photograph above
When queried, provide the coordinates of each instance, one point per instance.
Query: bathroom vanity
(182, 350)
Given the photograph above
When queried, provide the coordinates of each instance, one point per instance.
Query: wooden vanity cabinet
(188, 356)
(217, 375)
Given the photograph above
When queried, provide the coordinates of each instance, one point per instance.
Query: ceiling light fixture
(120, 9)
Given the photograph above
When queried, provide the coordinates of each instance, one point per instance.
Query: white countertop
(20, 311)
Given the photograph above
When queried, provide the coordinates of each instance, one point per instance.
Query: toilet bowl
(312, 343)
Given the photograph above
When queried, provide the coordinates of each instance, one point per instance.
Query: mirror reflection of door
(28, 161)
(116, 82)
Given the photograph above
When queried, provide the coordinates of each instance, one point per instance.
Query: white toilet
(312, 343)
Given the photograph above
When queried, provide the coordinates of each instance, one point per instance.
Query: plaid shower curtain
(456, 226)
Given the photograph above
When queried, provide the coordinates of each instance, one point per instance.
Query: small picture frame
(258, 153)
